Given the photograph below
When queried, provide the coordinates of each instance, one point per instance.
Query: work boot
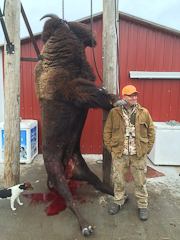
(143, 214)
(127, 197)
(114, 208)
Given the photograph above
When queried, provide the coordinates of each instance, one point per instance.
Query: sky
(164, 12)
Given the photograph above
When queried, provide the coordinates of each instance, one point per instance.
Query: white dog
(13, 193)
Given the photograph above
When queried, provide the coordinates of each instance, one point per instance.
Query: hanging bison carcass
(65, 87)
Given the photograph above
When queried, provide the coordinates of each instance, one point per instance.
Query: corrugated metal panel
(148, 49)
(29, 105)
(91, 140)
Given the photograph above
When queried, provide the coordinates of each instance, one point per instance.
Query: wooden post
(12, 96)
(109, 73)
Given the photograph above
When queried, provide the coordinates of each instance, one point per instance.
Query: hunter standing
(129, 136)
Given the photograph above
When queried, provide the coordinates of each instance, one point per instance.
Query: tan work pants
(138, 171)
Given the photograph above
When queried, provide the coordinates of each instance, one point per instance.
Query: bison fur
(64, 83)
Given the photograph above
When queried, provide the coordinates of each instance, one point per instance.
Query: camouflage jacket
(130, 134)
(114, 131)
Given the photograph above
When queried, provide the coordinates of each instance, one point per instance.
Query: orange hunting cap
(128, 90)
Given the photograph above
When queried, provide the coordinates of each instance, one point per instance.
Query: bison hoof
(87, 231)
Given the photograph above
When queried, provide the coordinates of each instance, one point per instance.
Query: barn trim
(154, 75)
(136, 20)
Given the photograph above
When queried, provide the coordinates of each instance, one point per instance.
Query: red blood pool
(58, 203)
(82, 201)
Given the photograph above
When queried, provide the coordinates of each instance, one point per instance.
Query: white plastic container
(29, 140)
(166, 149)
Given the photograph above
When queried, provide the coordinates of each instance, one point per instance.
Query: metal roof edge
(126, 16)
(96, 15)
(25, 38)
(149, 23)
(136, 19)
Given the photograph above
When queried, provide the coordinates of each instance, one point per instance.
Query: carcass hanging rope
(118, 64)
(63, 9)
(93, 45)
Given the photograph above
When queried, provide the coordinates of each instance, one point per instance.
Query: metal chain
(63, 9)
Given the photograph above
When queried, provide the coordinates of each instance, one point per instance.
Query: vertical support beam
(1, 89)
(109, 73)
(12, 96)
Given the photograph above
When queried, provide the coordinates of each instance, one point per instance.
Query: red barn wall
(144, 48)
(141, 48)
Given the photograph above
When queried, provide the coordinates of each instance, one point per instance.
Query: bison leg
(56, 175)
(82, 172)
(88, 95)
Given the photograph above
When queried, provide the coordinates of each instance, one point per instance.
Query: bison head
(82, 31)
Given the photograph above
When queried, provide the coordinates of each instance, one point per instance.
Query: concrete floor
(30, 222)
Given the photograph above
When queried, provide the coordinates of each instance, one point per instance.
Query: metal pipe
(63, 9)
(30, 33)
(5, 30)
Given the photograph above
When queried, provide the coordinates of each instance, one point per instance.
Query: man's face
(130, 99)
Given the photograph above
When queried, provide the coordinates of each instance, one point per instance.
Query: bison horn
(50, 15)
